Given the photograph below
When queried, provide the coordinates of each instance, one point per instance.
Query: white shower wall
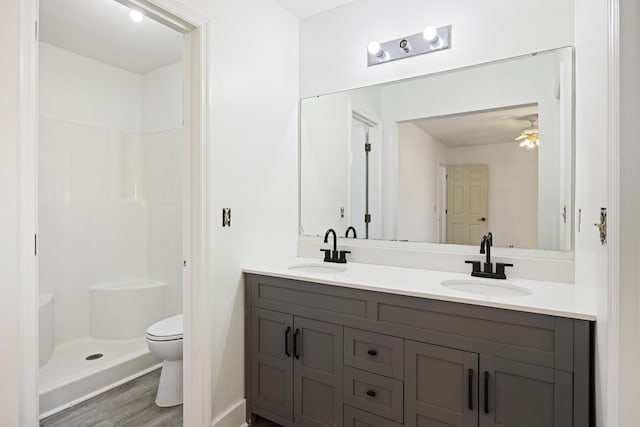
(110, 174)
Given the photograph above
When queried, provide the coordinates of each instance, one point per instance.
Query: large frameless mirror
(446, 158)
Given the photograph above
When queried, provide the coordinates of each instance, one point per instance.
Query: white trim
(613, 213)
(196, 296)
(27, 215)
(232, 417)
(197, 306)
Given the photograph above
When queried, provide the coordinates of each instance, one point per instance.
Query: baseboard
(232, 417)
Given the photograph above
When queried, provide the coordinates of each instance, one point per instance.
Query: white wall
(512, 197)
(482, 31)
(253, 170)
(10, 356)
(419, 157)
(591, 154)
(629, 371)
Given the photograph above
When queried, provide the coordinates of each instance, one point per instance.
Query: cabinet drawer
(381, 354)
(374, 393)
(356, 418)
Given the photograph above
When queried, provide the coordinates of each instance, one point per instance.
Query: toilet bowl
(164, 339)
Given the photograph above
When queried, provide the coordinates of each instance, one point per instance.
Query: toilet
(164, 340)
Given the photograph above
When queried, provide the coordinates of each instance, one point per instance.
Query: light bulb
(430, 34)
(135, 16)
(374, 48)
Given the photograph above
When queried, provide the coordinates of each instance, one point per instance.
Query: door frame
(196, 294)
(441, 202)
(368, 118)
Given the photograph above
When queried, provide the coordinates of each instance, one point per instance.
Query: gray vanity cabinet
(296, 369)
(328, 356)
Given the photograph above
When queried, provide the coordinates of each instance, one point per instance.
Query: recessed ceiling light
(135, 16)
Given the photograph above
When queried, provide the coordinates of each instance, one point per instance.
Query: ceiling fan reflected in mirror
(529, 137)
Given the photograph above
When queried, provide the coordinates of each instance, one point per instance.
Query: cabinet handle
(486, 392)
(372, 352)
(286, 341)
(371, 393)
(296, 350)
(470, 385)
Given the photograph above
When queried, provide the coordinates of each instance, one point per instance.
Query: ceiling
(102, 30)
(305, 8)
(478, 128)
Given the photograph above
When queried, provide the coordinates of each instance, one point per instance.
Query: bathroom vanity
(383, 346)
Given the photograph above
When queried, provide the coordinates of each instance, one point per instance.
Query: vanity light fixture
(429, 40)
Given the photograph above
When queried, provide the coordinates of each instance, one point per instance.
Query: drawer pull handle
(371, 393)
(372, 352)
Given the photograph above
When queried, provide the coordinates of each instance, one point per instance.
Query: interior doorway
(197, 325)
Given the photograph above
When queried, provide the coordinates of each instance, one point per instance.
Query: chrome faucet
(334, 255)
(485, 248)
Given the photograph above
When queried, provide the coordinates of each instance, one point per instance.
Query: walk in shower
(110, 202)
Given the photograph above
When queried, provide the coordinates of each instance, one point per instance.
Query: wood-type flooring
(128, 405)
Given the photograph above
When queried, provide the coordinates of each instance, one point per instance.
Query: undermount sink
(481, 287)
(318, 268)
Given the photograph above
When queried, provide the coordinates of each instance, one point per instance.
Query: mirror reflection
(445, 158)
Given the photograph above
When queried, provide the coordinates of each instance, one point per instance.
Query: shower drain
(94, 356)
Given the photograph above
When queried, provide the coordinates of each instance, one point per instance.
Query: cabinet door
(317, 373)
(272, 376)
(441, 386)
(517, 394)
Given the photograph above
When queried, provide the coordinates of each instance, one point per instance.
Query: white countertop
(552, 298)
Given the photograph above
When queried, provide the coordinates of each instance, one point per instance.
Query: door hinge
(602, 227)
(367, 147)
(367, 218)
(564, 214)
(35, 244)
(36, 29)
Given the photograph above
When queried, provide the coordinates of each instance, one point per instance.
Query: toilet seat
(166, 330)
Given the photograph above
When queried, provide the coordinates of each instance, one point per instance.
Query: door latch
(602, 226)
